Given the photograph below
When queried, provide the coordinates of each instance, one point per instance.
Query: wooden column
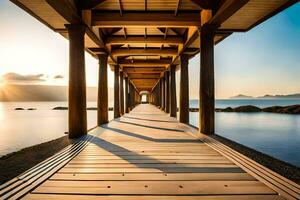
(102, 111)
(173, 98)
(167, 91)
(116, 93)
(121, 94)
(162, 93)
(77, 82)
(184, 90)
(159, 94)
(131, 96)
(207, 85)
(126, 96)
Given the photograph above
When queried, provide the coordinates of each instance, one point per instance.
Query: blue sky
(265, 60)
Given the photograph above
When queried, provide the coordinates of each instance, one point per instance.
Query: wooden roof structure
(145, 37)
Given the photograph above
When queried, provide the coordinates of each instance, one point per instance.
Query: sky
(264, 60)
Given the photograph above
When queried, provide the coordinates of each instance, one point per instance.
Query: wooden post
(184, 90)
(130, 96)
(207, 87)
(173, 104)
(126, 96)
(116, 93)
(167, 93)
(102, 111)
(121, 94)
(159, 94)
(77, 82)
(162, 93)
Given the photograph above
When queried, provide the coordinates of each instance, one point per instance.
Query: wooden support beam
(126, 96)
(146, 62)
(77, 82)
(118, 40)
(167, 92)
(90, 4)
(144, 52)
(207, 89)
(144, 76)
(129, 70)
(206, 4)
(163, 93)
(226, 10)
(121, 94)
(116, 93)
(173, 98)
(102, 111)
(146, 19)
(159, 93)
(67, 9)
(184, 90)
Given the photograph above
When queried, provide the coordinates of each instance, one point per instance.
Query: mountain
(267, 96)
(241, 96)
(14, 92)
(289, 96)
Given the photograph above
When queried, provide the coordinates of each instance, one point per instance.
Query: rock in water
(247, 108)
(19, 109)
(60, 108)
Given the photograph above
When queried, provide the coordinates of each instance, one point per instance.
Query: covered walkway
(148, 155)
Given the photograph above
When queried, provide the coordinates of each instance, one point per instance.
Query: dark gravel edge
(13, 164)
(285, 169)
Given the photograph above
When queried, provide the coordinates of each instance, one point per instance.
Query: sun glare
(2, 83)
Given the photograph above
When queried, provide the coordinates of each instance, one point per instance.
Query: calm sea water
(23, 128)
(275, 134)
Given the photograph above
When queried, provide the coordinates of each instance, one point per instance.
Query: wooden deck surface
(147, 155)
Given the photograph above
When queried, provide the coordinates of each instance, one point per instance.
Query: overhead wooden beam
(67, 9)
(116, 40)
(226, 10)
(144, 62)
(145, 52)
(145, 70)
(177, 7)
(206, 4)
(144, 76)
(146, 19)
(90, 4)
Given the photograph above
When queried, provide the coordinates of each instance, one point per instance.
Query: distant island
(267, 96)
(241, 96)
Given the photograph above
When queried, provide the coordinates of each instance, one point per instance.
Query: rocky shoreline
(292, 109)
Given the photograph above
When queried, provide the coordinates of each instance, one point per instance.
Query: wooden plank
(222, 169)
(95, 153)
(148, 165)
(141, 157)
(117, 40)
(128, 197)
(155, 177)
(145, 19)
(154, 187)
(144, 52)
(120, 161)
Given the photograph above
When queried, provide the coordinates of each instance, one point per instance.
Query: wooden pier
(148, 155)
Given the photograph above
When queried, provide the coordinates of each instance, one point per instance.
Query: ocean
(277, 135)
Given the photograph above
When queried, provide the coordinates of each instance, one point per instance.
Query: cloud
(58, 77)
(14, 77)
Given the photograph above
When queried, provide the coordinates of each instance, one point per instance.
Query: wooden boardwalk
(147, 155)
